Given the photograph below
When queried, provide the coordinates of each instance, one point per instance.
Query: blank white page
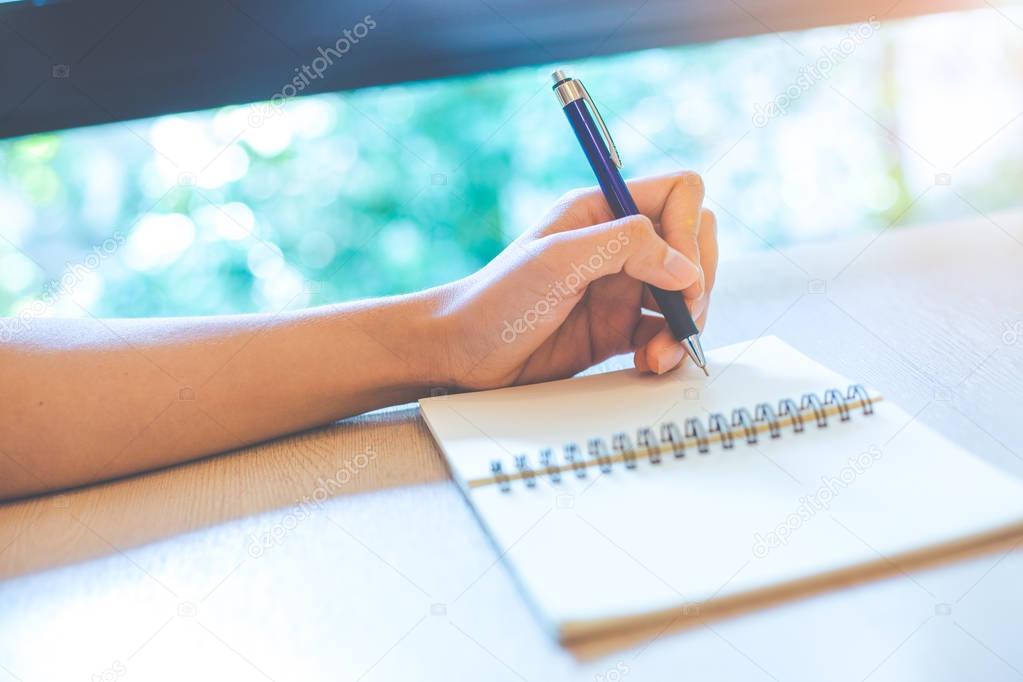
(707, 527)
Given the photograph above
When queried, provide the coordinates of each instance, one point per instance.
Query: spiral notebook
(620, 499)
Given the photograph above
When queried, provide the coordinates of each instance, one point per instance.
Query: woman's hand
(570, 292)
(562, 297)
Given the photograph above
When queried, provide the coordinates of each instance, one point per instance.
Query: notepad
(622, 499)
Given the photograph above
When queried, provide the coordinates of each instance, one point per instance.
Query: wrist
(415, 332)
(436, 337)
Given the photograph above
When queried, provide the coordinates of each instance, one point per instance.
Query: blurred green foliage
(392, 189)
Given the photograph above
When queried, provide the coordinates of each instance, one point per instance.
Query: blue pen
(603, 156)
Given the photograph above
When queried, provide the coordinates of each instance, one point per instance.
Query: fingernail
(681, 268)
(668, 358)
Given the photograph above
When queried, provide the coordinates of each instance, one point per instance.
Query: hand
(570, 292)
(562, 297)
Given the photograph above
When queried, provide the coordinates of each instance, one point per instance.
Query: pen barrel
(673, 307)
(671, 303)
(610, 180)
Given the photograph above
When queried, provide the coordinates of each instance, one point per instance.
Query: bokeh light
(337, 196)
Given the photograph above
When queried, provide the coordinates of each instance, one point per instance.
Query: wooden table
(347, 553)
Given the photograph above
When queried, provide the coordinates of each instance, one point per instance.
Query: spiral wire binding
(671, 441)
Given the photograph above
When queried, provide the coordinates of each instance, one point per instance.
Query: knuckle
(567, 198)
(550, 251)
(552, 246)
(574, 197)
(641, 229)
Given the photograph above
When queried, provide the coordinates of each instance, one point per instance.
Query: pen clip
(605, 133)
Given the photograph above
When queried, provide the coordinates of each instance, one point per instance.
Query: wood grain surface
(347, 553)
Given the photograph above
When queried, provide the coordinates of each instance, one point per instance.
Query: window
(257, 207)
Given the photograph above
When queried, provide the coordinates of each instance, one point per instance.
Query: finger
(630, 245)
(588, 206)
(662, 197)
(662, 352)
(648, 327)
(707, 243)
(708, 261)
(639, 360)
(649, 302)
(708, 249)
(681, 223)
(673, 202)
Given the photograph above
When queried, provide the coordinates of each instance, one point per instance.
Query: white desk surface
(390, 577)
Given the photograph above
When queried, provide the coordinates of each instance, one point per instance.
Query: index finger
(673, 202)
(680, 221)
(661, 198)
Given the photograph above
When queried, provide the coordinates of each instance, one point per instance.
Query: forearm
(87, 399)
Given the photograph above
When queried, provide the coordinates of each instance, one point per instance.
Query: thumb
(630, 245)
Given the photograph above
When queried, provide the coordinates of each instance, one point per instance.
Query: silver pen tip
(558, 76)
(695, 350)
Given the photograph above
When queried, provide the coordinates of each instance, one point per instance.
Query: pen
(603, 156)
